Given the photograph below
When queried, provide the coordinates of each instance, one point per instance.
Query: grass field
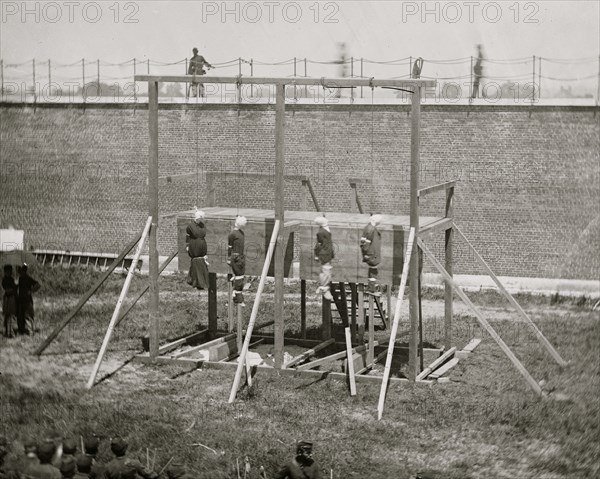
(485, 423)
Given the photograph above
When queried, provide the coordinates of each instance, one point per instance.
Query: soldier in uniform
(237, 259)
(91, 445)
(27, 286)
(9, 300)
(302, 466)
(6, 472)
(197, 63)
(44, 470)
(69, 447)
(123, 467)
(324, 255)
(370, 247)
(477, 72)
(84, 467)
(68, 467)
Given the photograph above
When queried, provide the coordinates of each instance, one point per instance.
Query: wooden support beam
(339, 298)
(141, 293)
(449, 263)
(332, 357)
(212, 304)
(350, 368)
(117, 310)
(303, 308)
(259, 291)
(468, 349)
(381, 312)
(230, 320)
(165, 348)
(483, 322)
(304, 374)
(353, 301)
(378, 358)
(444, 369)
(360, 333)
(84, 299)
(439, 187)
(420, 312)
(239, 328)
(279, 329)
(371, 350)
(413, 294)
(540, 336)
(153, 318)
(354, 187)
(437, 363)
(223, 339)
(313, 196)
(311, 352)
(326, 316)
(281, 81)
(394, 331)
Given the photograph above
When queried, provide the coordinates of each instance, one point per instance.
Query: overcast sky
(272, 31)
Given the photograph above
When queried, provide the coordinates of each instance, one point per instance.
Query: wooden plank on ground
(437, 363)
(482, 321)
(350, 368)
(187, 352)
(165, 348)
(444, 369)
(311, 352)
(378, 358)
(332, 357)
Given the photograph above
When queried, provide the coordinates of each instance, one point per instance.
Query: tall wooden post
(360, 333)
(153, 205)
(371, 350)
(449, 260)
(303, 308)
(279, 208)
(212, 305)
(415, 117)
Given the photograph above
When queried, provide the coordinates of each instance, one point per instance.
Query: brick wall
(527, 196)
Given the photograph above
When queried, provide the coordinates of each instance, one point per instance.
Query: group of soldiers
(56, 457)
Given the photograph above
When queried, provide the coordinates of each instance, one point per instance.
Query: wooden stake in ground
(557, 357)
(350, 363)
(482, 321)
(261, 286)
(117, 310)
(394, 331)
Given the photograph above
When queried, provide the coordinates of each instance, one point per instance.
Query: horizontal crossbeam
(325, 82)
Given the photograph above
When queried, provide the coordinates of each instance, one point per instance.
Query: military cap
(91, 444)
(68, 467)
(118, 446)
(45, 450)
(69, 446)
(84, 464)
(176, 470)
(304, 446)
